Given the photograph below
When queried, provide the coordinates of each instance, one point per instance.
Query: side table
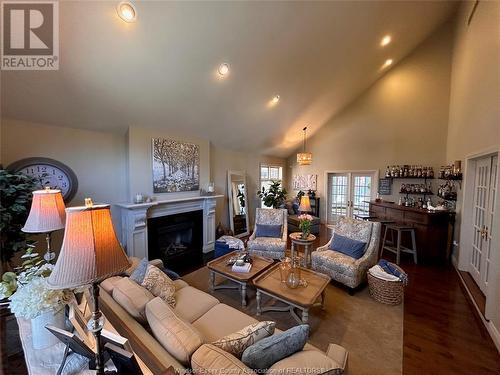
(297, 240)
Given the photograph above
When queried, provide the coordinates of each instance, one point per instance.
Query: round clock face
(50, 173)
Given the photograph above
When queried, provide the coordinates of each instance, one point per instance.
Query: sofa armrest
(326, 246)
(144, 345)
(339, 355)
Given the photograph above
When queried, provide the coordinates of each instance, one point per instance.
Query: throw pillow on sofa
(237, 342)
(177, 336)
(159, 284)
(139, 272)
(270, 350)
(348, 246)
(132, 297)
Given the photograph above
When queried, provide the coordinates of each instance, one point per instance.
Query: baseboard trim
(495, 335)
(490, 327)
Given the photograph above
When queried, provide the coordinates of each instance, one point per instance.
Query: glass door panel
(338, 196)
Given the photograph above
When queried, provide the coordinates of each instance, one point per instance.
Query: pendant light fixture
(304, 158)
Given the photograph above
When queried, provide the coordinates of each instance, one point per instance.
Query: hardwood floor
(442, 332)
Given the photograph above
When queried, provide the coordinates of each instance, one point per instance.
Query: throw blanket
(379, 273)
(233, 242)
(391, 270)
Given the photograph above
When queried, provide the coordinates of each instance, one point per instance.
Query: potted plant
(15, 201)
(274, 196)
(31, 298)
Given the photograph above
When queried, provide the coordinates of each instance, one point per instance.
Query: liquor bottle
(387, 172)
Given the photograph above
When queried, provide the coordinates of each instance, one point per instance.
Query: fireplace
(177, 240)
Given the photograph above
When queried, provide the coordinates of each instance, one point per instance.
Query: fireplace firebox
(177, 240)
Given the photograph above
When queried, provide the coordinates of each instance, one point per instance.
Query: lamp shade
(90, 251)
(46, 213)
(305, 204)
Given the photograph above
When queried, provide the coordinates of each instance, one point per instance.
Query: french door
(485, 185)
(349, 194)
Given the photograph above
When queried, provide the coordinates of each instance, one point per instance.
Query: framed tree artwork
(176, 166)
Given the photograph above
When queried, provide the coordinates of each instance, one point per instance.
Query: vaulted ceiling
(161, 71)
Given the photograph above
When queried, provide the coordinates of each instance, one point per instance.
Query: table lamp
(305, 204)
(90, 253)
(46, 216)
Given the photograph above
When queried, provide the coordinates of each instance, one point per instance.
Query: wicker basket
(388, 292)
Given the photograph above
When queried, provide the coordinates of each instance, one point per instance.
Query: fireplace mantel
(134, 220)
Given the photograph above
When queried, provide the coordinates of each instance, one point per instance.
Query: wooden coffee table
(220, 267)
(302, 298)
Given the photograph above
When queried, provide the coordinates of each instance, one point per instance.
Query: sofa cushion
(268, 230)
(237, 342)
(222, 320)
(267, 244)
(209, 359)
(348, 246)
(109, 284)
(159, 284)
(177, 336)
(191, 303)
(134, 262)
(179, 284)
(304, 362)
(132, 297)
(270, 350)
(336, 261)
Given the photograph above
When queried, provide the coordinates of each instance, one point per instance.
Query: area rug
(370, 331)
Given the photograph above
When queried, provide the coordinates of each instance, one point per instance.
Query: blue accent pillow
(345, 245)
(268, 230)
(266, 352)
(138, 274)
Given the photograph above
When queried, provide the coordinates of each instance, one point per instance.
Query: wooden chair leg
(398, 248)
(414, 245)
(383, 242)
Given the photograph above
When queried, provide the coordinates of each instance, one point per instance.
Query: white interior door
(484, 202)
(348, 194)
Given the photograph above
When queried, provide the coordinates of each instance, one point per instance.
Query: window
(269, 174)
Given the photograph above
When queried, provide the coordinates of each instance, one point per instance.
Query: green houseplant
(15, 202)
(274, 196)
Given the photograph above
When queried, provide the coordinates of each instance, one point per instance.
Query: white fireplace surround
(134, 220)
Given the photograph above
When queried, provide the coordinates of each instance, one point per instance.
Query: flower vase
(42, 337)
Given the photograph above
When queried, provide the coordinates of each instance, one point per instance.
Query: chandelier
(304, 158)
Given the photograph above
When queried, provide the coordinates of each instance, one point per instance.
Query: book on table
(242, 269)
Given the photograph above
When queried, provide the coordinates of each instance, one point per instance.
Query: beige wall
(401, 119)
(97, 158)
(474, 119)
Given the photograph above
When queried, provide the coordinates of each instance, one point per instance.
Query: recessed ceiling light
(385, 40)
(276, 99)
(387, 63)
(223, 69)
(126, 11)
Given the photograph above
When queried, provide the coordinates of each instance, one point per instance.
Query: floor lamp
(46, 216)
(90, 253)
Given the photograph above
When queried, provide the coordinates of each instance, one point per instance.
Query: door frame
(375, 173)
(466, 232)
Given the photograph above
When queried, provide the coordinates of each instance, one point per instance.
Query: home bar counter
(433, 229)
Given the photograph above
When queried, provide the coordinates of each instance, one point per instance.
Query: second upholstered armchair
(272, 245)
(341, 267)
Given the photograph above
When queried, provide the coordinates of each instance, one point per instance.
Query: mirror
(238, 202)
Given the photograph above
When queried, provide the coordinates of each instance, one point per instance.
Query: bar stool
(399, 230)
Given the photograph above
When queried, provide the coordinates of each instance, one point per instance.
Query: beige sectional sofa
(181, 337)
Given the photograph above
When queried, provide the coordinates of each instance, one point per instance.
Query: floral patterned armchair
(269, 247)
(343, 268)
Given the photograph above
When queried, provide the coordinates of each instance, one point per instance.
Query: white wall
(474, 119)
(401, 119)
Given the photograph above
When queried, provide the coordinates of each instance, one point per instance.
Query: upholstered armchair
(341, 267)
(269, 247)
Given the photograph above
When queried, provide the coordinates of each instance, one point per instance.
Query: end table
(297, 240)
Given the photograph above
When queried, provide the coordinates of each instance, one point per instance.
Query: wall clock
(49, 172)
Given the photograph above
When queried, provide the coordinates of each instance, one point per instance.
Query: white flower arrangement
(35, 298)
